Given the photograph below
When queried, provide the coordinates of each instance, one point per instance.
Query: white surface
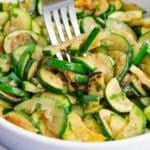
(2, 148)
(15, 138)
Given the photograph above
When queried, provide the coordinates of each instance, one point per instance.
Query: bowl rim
(68, 144)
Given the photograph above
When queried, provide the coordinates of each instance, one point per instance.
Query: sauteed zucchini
(102, 93)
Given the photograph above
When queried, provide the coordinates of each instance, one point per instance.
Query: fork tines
(61, 20)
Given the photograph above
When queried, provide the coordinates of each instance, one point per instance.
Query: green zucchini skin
(51, 82)
(12, 90)
(25, 57)
(8, 98)
(102, 126)
(147, 112)
(27, 68)
(129, 54)
(14, 77)
(89, 40)
(142, 52)
(61, 64)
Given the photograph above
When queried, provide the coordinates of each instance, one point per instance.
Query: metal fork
(58, 12)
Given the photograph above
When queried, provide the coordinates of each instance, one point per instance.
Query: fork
(58, 12)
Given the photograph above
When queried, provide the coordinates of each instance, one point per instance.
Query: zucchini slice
(16, 54)
(15, 78)
(136, 84)
(20, 120)
(39, 7)
(78, 109)
(97, 62)
(136, 124)
(72, 99)
(79, 12)
(145, 62)
(147, 112)
(113, 41)
(117, 123)
(145, 37)
(77, 78)
(141, 22)
(5, 63)
(127, 65)
(116, 98)
(96, 85)
(30, 87)
(120, 59)
(100, 21)
(87, 24)
(21, 37)
(87, 61)
(21, 66)
(110, 123)
(91, 123)
(35, 27)
(3, 105)
(62, 64)
(76, 130)
(8, 6)
(127, 16)
(55, 107)
(30, 69)
(9, 98)
(51, 81)
(28, 5)
(121, 28)
(30, 106)
(144, 30)
(12, 90)
(102, 7)
(40, 121)
(102, 49)
(90, 103)
(131, 6)
(110, 10)
(20, 19)
(102, 63)
(36, 55)
(4, 16)
(23, 60)
(117, 3)
(145, 101)
(40, 21)
(75, 47)
(144, 79)
(103, 118)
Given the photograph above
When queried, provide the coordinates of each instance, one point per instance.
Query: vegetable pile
(101, 93)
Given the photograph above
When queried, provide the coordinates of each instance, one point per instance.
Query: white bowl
(15, 138)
